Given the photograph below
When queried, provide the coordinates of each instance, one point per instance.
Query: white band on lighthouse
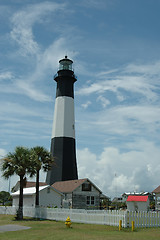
(63, 123)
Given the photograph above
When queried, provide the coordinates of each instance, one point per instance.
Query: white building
(48, 197)
(137, 203)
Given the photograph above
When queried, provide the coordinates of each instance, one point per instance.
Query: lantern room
(65, 64)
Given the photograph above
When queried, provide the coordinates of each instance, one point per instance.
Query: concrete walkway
(12, 227)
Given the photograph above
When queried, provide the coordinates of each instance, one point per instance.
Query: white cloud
(85, 105)
(93, 88)
(132, 84)
(28, 89)
(134, 169)
(29, 85)
(50, 57)
(17, 109)
(120, 97)
(146, 69)
(133, 79)
(103, 101)
(24, 38)
(5, 76)
(133, 121)
(28, 122)
(48, 62)
(107, 72)
(23, 22)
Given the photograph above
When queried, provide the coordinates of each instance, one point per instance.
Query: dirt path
(12, 227)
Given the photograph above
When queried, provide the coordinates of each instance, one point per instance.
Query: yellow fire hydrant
(68, 222)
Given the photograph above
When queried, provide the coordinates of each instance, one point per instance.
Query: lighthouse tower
(63, 147)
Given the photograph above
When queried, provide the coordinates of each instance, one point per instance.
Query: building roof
(68, 186)
(32, 190)
(29, 191)
(157, 190)
(28, 184)
(135, 193)
(103, 196)
(132, 198)
(33, 184)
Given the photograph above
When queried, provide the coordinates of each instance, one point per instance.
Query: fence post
(126, 219)
(120, 225)
(133, 227)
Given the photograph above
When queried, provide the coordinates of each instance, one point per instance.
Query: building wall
(15, 201)
(50, 198)
(86, 199)
(138, 206)
(28, 201)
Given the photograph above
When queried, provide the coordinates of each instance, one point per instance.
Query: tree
(18, 163)
(5, 197)
(42, 159)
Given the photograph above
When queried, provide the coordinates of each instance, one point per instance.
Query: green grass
(47, 230)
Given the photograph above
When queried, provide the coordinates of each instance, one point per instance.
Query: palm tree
(42, 159)
(18, 163)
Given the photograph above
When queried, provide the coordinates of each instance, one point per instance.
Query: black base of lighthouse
(65, 167)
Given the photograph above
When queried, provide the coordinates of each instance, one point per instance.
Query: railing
(103, 217)
(73, 75)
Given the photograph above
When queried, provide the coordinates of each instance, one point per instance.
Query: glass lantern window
(65, 65)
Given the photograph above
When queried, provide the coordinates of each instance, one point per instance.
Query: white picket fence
(76, 215)
(144, 219)
(104, 217)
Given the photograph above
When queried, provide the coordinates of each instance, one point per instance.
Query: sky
(115, 47)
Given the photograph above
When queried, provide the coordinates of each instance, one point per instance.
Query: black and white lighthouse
(63, 146)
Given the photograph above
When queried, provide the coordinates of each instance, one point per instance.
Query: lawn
(57, 230)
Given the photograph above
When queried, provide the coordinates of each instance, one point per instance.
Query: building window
(86, 187)
(90, 200)
(119, 199)
(158, 200)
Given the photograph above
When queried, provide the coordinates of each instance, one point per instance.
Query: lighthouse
(63, 143)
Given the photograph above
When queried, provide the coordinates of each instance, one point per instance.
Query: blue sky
(115, 48)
